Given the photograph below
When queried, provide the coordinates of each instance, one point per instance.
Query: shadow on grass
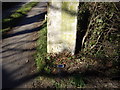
(11, 83)
(8, 76)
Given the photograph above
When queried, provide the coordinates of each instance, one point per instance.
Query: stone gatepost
(62, 26)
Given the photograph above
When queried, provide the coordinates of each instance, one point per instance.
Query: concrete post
(62, 26)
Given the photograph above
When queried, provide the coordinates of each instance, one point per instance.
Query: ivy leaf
(99, 20)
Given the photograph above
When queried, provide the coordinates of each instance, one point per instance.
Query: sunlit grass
(26, 8)
(41, 47)
(16, 15)
(7, 20)
(4, 30)
(10, 21)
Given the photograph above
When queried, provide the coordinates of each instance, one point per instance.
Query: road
(8, 11)
(19, 47)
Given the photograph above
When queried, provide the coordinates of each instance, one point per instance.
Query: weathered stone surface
(62, 26)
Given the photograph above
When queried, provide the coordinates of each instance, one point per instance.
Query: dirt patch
(77, 72)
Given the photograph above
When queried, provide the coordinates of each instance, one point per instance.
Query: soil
(78, 72)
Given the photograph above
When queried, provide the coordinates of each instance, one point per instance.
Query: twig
(84, 38)
(99, 48)
(96, 17)
(96, 42)
(108, 31)
(115, 7)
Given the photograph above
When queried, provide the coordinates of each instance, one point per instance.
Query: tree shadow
(9, 7)
(29, 20)
(11, 51)
(33, 19)
(62, 75)
(23, 42)
(82, 24)
(11, 83)
(8, 76)
(70, 12)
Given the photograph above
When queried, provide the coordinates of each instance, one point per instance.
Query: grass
(58, 83)
(9, 22)
(42, 47)
(78, 81)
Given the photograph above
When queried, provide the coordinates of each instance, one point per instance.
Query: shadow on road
(30, 20)
(18, 49)
(9, 7)
(8, 80)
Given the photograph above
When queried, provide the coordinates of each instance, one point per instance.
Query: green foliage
(16, 15)
(4, 30)
(58, 85)
(78, 81)
(7, 20)
(103, 36)
(26, 8)
(47, 69)
(42, 48)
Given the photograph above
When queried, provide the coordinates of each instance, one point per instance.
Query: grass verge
(9, 22)
(41, 47)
